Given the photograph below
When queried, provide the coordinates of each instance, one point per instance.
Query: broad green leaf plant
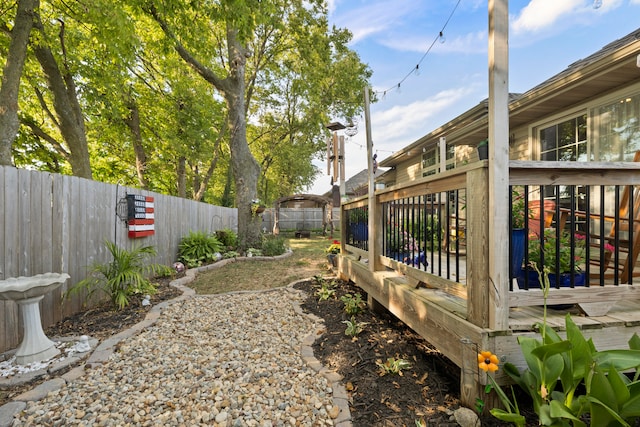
(569, 381)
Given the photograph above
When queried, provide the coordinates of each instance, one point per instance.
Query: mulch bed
(426, 392)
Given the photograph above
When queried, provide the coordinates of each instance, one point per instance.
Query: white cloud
(401, 125)
(540, 14)
(331, 5)
(543, 15)
(374, 18)
(475, 42)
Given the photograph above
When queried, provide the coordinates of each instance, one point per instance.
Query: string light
(416, 68)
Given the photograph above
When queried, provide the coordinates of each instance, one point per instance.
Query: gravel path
(240, 359)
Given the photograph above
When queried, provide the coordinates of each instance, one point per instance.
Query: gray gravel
(226, 360)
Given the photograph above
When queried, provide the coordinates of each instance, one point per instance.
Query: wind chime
(336, 157)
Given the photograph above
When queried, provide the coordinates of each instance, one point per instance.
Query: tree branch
(220, 84)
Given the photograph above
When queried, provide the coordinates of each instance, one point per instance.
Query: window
(431, 160)
(616, 127)
(564, 141)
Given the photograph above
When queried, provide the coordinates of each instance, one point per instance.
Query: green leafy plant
(517, 208)
(354, 328)
(228, 238)
(358, 215)
(393, 366)
(353, 304)
(325, 292)
(273, 245)
(568, 379)
(198, 248)
(551, 250)
(230, 254)
(126, 275)
(251, 252)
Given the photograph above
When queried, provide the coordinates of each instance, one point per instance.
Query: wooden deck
(441, 317)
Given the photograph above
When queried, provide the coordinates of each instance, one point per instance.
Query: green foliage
(273, 245)
(327, 290)
(254, 252)
(354, 327)
(558, 249)
(230, 254)
(124, 276)
(353, 304)
(197, 248)
(393, 366)
(358, 215)
(517, 208)
(568, 379)
(228, 238)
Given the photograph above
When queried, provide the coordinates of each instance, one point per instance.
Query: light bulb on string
(442, 37)
(597, 4)
(417, 70)
(398, 89)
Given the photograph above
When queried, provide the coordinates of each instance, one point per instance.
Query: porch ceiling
(573, 89)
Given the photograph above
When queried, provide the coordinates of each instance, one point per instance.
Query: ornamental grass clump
(124, 276)
(568, 380)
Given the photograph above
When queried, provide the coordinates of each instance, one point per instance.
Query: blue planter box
(360, 231)
(579, 279)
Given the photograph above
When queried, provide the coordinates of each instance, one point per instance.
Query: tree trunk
(245, 167)
(65, 103)
(182, 176)
(9, 122)
(133, 123)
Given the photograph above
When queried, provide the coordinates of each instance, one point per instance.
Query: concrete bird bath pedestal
(27, 293)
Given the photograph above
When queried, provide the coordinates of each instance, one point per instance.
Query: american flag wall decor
(140, 216)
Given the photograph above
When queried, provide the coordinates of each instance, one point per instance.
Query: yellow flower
(488, 361)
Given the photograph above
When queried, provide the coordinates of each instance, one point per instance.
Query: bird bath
(27, 293)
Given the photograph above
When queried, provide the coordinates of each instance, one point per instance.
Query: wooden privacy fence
(298, 219)
(57, 223)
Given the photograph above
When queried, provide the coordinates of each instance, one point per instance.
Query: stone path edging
(106, 348)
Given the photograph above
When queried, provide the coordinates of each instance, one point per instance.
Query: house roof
(605, 70)
(357, 182)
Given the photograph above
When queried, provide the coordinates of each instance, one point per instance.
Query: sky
(395, 36)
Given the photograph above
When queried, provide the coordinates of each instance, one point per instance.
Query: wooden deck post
(478, 248)
(375, 209)
(498, 164)
(495, 314)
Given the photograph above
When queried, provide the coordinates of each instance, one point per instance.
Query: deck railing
(434, 230)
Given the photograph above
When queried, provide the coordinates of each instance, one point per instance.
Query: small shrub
(230, 254)
(254, 252)
(197, 248)
(123, 277)
(353, 304)
(228, 238)
(273, 245)
(393, 366)
(326, 291)
(353, 327)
